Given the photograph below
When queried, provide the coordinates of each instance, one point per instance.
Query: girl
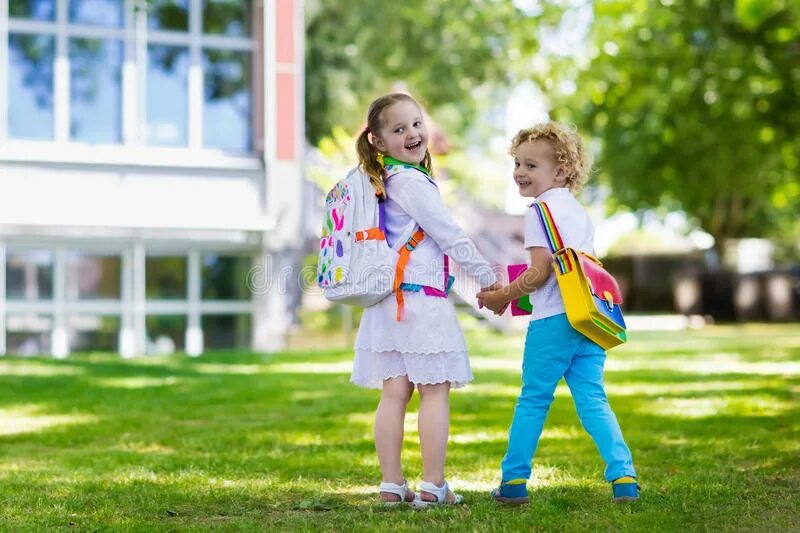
(550, 164)
(413, 339)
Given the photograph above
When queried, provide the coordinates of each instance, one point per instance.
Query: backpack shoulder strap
(404, 253)
(549, 226)
(561, 261)
(402, 260)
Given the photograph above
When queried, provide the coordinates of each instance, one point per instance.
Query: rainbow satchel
(591, 295)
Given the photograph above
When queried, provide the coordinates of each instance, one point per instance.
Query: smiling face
(403, 135)
(536, 169)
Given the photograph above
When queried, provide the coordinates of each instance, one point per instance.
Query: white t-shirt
(577, 231)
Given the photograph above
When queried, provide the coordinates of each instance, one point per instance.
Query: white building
(150, 160)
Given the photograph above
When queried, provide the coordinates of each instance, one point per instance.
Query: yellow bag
(591, 295)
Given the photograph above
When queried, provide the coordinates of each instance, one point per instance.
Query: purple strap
(382, 216)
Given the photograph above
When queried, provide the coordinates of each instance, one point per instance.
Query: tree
(442, 49)
(696, 105)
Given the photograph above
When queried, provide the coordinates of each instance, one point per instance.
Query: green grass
(247, 442)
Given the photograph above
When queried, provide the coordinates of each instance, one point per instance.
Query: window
(32, 9)
(96, 12)
(226, 331)
(227, 100)
(185, 80)
(165, 278)
(30, 86)
(93, 277)
(93, 333)
(167, 95)
(225, 278)
(226, 17)
(95, 90)
(170, 15)
(93, 306)
(28, 333)
(166, 333)
(29, 275)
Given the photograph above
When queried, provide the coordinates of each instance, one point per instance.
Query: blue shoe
(514, 492)
(625, 489)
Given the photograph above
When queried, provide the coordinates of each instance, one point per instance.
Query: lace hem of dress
(432, 351)
(371, 368)
(378, 384)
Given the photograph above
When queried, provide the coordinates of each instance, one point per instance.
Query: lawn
(239, 441)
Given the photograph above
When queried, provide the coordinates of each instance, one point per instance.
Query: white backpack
(355, 266)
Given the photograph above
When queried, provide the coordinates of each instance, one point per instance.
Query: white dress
(427, 345)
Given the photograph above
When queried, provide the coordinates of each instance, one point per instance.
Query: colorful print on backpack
(331, 264)
(355, 265)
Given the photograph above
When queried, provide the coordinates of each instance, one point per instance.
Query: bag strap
(413, 241)
(554, 240)
(377, 232)
(382, 214)
(370, 234)
(402, 261)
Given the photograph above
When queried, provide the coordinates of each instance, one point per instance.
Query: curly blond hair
(568, 146)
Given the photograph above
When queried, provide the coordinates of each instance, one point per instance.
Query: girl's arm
(531, 279)
(421, 200)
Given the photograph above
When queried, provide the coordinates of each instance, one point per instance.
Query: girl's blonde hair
(568, 146)
(367, 153)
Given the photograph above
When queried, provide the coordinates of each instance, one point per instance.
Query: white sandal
(399, 490)
(439, 492)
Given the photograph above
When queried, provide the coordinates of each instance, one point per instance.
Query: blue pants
(553, 349)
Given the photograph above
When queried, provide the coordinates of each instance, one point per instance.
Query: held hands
(493, 299)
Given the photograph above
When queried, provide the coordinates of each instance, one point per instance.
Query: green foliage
(482, 180)
(282, 442)
(226, 16)
(442, 50)
(338, 155)
(752, 13)
(170, 15)
(696, 104)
